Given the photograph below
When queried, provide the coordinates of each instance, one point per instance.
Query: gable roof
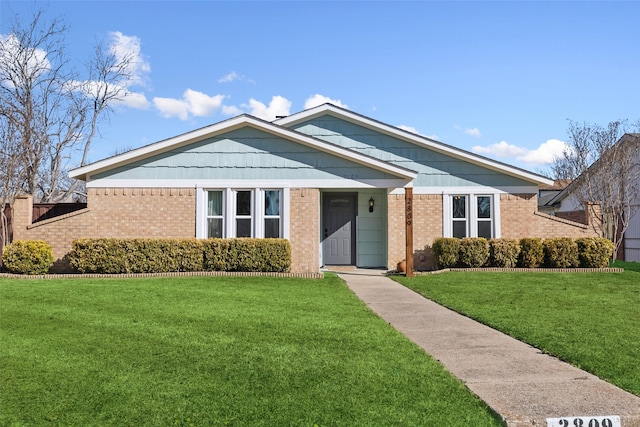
(419, 140)
(84, 173)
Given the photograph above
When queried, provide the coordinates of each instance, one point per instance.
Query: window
(231, 212)
(470, 215)
(459, 210)
(484, 217)
(215, 218)
(244, 215)
(272, 213)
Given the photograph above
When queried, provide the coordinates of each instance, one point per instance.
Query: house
(566, 203)
(548, 192)
(333, 182)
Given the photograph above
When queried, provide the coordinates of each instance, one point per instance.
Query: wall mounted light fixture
(371, 204)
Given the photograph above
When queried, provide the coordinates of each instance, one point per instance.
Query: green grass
(209, 351)
(589, 320)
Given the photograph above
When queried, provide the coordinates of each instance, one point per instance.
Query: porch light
(371, 204)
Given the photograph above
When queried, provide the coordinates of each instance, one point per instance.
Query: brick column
(22, 216)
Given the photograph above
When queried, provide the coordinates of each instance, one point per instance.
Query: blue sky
(496, 78)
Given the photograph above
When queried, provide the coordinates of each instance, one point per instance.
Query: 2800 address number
(608, 421)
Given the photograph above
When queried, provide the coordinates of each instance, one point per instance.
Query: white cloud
(278, 106)
(171, 107)
(473, 132)
(500, 150)
(231, 110)
(128, 49)
(36, 59)
(546, 153)
(135, 100)
(201, 105)
(193, 103)
(317, 99)
(230, 77)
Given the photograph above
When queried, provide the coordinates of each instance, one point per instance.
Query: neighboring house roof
(416, 139)
(558, 198)
(245, 120)
(281, 128)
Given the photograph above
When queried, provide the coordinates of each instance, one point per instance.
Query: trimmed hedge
(264, 255)
(474, 252)
(560, 252)
(531, 252)
(504, 252)
(27, 257)
(447, 251)
(117, 256)
(594, 252)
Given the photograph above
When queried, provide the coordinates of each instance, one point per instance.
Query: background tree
(49, 113)
(605, 164)
(54, 113)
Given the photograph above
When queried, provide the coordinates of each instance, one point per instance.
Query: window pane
(484, 229)
(272, 202)
(243, 227)
(484, 207)
(460, 229)
(272, 227)
(459, 207)
(243, 203)
(214, 227)
(214, 205)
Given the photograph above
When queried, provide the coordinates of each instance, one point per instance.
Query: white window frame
(472, 213)
(229, 214)
(207, 216)
(252, 209)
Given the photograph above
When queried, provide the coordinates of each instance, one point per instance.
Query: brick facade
(304, 229)
(520, 218)
(119, 212)
(171, 213)
(427, 226)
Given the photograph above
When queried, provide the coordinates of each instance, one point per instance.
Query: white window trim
(230, 207)
(472, 217)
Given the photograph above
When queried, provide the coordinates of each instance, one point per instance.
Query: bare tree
(52, 112)
(605, 165)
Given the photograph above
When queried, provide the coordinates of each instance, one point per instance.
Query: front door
(339, 212)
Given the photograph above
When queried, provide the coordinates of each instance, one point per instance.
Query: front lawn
(590, 320)
(209, 351)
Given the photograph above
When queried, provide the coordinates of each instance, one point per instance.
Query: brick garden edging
(172, 274)
(524, 270)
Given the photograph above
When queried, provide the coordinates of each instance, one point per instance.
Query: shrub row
(117, 256)
(27, 257)
(562, 252)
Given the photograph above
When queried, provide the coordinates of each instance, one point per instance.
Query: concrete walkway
(516, 380)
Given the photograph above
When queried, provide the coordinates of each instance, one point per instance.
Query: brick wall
(427, 226)
(520, 218)
(121, 212)
(304, 229)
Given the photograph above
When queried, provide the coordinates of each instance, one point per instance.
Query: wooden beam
(408, 214)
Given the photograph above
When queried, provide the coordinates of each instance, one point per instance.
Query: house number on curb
(608, 421)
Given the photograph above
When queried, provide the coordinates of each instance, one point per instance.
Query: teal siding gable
(245, 153)
(434, 168)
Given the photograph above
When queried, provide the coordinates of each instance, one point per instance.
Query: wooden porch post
(408, 213)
